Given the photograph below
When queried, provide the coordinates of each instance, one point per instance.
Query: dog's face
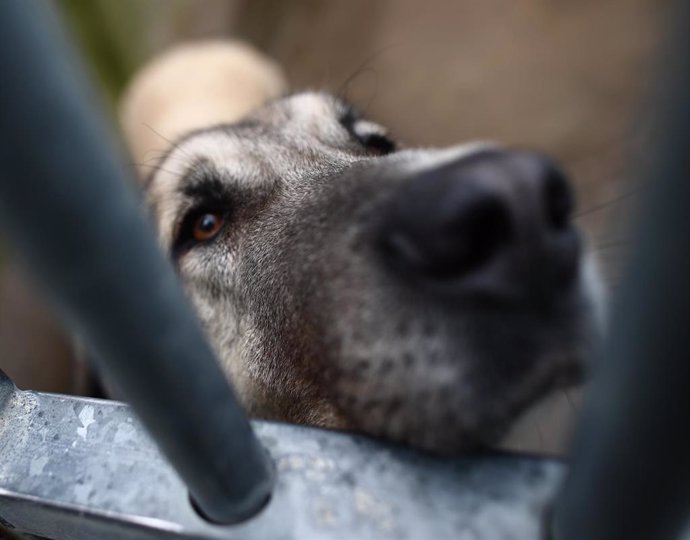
(428, 296)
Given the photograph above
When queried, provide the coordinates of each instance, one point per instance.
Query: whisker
(173, 144)
(570, 401)
(363, 67)
(374, 92)
(606, 204)
(156, 156)
(612, 244)
(155, 167)
(361, 72)
(156, 132)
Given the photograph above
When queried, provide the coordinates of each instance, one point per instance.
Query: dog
(427, 296)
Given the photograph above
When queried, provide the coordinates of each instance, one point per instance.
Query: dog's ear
(190, 87)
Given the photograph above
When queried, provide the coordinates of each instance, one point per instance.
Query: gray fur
(310, 326)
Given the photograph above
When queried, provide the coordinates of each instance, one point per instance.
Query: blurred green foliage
(110, 35)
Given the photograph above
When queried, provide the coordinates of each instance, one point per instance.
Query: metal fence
(630, 476)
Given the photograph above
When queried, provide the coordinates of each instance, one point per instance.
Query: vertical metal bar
(630, 476)
(66, 204)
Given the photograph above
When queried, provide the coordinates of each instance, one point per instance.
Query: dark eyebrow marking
(210, 192)
(203, 181)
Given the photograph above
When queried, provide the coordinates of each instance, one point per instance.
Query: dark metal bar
(66, 204)
(631, 473)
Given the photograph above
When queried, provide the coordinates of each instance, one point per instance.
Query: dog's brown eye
(198, 227)
(206, 226)
(377, 143)
(370, 135)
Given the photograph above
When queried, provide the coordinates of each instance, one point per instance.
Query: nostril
(483, 227)
(558, 198)
(459, 233)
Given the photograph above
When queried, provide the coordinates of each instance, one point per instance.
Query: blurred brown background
(570, 78)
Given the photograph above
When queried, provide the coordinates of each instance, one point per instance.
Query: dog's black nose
(498, 220)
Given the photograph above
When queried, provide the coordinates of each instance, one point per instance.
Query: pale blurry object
(194, 86)
(547, 427)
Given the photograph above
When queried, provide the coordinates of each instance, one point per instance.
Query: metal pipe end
(7, 388)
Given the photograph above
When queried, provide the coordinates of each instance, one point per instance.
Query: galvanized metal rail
(75, 469)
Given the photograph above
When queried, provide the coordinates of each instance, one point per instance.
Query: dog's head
(428, 296)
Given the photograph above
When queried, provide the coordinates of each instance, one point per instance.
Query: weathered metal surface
(76, 468)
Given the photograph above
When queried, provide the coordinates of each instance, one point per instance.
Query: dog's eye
(370, 135)
(197, 227)
(206, 226)
(376, 142)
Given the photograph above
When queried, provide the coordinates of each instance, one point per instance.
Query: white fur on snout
(547, 426)
(418, 160)
(595, 290)
(314, 112)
